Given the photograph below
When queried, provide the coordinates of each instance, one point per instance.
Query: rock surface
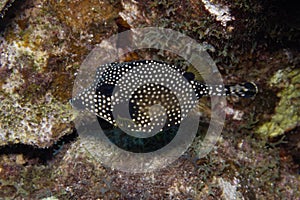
(42, 48)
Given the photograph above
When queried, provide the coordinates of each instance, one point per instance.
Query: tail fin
(248, 89)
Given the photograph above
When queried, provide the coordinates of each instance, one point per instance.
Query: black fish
(99, 97)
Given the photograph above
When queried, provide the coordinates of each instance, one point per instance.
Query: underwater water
(47, 151)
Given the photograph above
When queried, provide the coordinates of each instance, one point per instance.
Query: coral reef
(38, 61)
(42, 46)
(236, 167)
(287, 113)
(31, 112)
(38, 124)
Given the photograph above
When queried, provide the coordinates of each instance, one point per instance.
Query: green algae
(36, 78)
(54, 52)
(37, 124)
(287, 113)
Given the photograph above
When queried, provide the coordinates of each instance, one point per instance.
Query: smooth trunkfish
(142, 100)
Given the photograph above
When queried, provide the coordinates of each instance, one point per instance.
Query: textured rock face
(39, 124)
(42, 48)
(287, 113)
(38, 61)
(30, 113)
(46, 42)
